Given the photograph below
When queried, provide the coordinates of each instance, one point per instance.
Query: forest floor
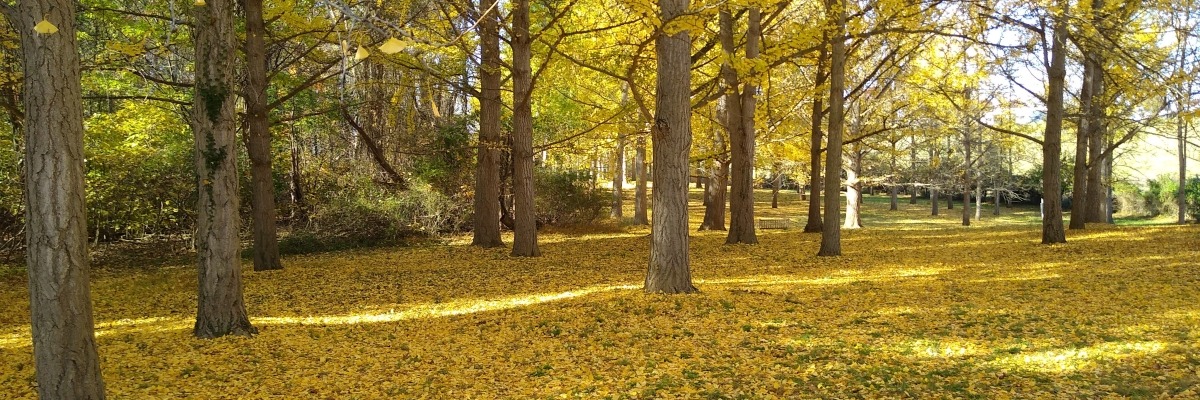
(917, 307)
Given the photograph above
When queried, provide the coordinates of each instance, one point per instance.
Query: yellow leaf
(392, 46)
(45, 27)
(200, 3)
(361, 54)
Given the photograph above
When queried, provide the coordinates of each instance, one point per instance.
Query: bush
(1192, 192)
(374, 215)
(566, 197)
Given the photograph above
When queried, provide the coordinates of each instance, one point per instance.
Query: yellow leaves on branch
(393, 46)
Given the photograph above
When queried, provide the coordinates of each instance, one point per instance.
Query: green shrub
(1192, 192)
(566, 197)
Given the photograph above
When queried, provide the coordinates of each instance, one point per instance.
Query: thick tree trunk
(669, 270)
(699, 177)
(64, 344)
(1052, 224)
(221, 310)
(618, 184)
(740, 124)
(949, 200)
(525, 234)
(814, 225)
(258, 145)
(831, 234)
(1097, 126)
(1080, 171)
(486, 232)
(640, 198)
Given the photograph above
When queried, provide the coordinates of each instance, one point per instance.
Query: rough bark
(1079, 179)
(64, 348)
(740, 125)
(669, 270)
(525, 234)
(1052, 224)
(831, 234)
(814, 225)
(640, 198)
(1097, 127)
(221, 310)
(618, 183)
(258, 143)
(486, 232)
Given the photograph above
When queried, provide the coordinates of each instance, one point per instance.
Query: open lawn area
(917, 307)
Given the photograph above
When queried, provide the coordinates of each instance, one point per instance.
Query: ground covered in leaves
(916, 308)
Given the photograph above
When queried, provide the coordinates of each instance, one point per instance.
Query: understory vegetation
(917, 307)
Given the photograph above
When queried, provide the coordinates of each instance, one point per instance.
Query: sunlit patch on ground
(915, 308)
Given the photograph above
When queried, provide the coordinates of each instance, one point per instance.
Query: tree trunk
(258, 147)
(64, 344)
(933, 200)
(978, 199)
(912, 196)
(1080, 171)
(853, 191)
(1181, 193)
(486, 231)
(966, 179)
(776, 183)
(296, 189)
(640, 200)
(714, 210)
(1096, 131)
(221, 310)
(894, 194)
(949, 200)
(618, 188)
(740, 124)
(814, 224)
(996, 202)
(831, 234)
(699, 177)
(1052, 225)
(525, 234)
(669, 271)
